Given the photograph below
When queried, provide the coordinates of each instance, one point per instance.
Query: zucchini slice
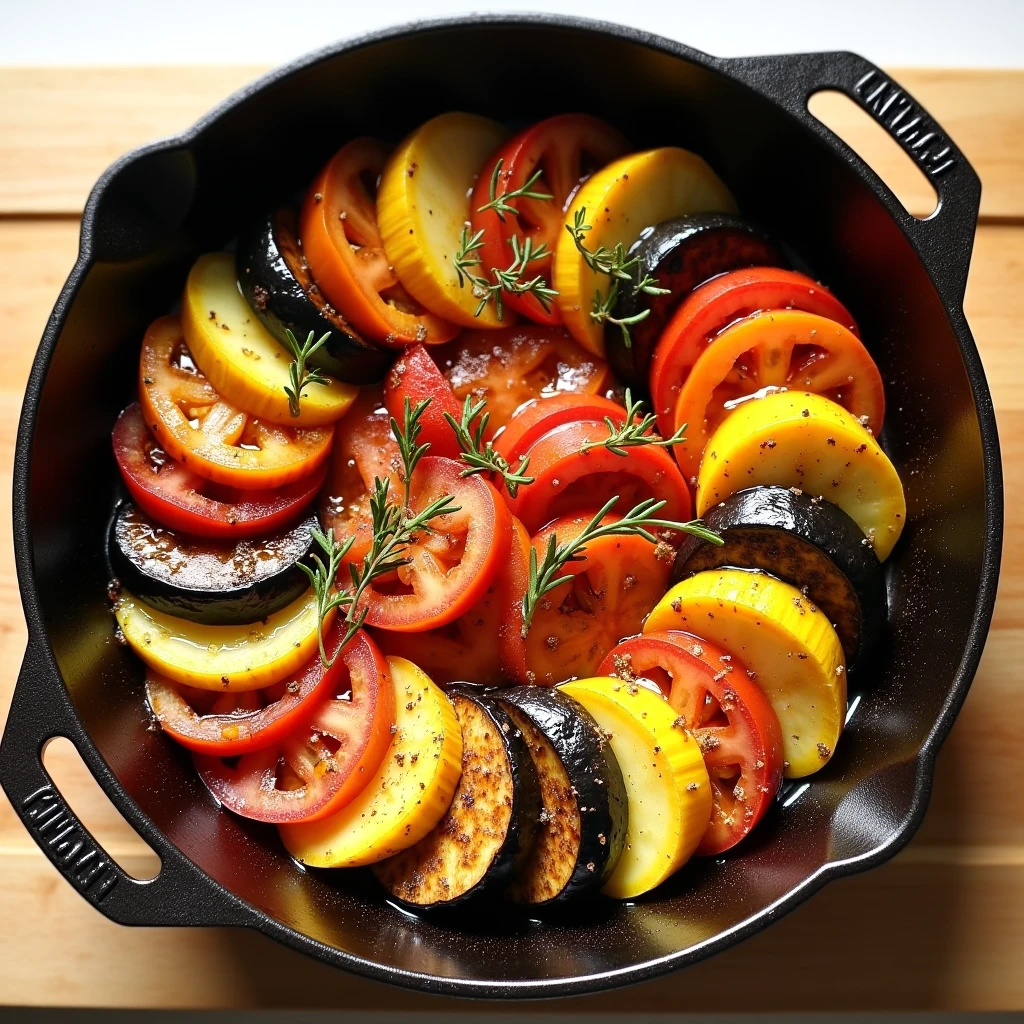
(667, 785)
(488, 829)
(805, 541)
(584, 811)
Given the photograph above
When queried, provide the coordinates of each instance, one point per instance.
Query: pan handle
(181, 894)
(944, 240)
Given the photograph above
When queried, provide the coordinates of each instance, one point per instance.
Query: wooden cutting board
(940, 927)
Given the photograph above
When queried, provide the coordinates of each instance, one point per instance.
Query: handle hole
(877, 148)
(83, 795)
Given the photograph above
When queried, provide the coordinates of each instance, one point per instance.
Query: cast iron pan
(903, 279)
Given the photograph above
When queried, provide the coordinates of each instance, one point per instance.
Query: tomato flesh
(414, 378)
(329, 757)
(729, 715)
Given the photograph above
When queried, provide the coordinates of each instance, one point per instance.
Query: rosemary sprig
(640, 520)
(299, 375)
(321, 578)
(634, 433)
(407, 435)
(500, 204)
(479, 454)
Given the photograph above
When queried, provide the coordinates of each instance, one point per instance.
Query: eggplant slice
(805, 541)
(681, 253)
(489, 828)
(276, 283)
(584, 810)
(220, 583)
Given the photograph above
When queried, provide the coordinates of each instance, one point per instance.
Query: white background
(953, 33)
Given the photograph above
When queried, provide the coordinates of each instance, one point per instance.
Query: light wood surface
(940, 927)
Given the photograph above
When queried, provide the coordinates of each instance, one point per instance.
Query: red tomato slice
(531, 421)
(567, 479)
(567, 149)
(729, 716)
(415, 376)
(777, 348)
(181, 500)
(328, 759)
(719, 302)
(450, 565)
(513, 365)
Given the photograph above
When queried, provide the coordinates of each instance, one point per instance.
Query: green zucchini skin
(805, 541)
(681, 253)
(494, 755)
(594, 773)
(277, 285)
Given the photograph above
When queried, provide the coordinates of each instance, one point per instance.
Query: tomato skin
(557, 145)
(452, 564)
(566, 479)
(181, 500)
(415, 377)
(688, 669)
(710, 308)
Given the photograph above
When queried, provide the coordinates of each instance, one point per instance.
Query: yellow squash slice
(633, 193)
(221, 657)
(783, 639)
(242, 360)
(410, 792)
(666, 782)
(799, 439)
(423, 206)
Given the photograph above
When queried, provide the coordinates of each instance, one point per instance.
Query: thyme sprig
(478, 454)
(500, 204)
(639, 521)
(634, 432)
(298, 374)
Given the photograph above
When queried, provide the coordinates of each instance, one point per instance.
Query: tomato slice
(327, 760)
(450, 565)
(533, 420)
(415, 377)
(612, 589)
(775, 349)
(214, 439)
(567, 479)
(716, 304)
(567, 149)
(178, 498)
(345, 253)
(729, 715)
(514, 365)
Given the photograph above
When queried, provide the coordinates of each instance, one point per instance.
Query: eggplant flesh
(681, 253)
(225, 583)
(807, 542)
(585, 812)
(278, 287)
(488, 830)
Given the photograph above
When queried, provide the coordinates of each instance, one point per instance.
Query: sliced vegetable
(415, 378)
(423, 208)
(550, 158)
(680, 254)
(715, 305)
(776, 349)
(342, 244)
(584, 816)
(241, 358)
(221, 658)
(805, 541)
(326, 761)
(802, 440)
(728, 714)
(409, 794)
(666, 782)
(618, 202)
(228, 582)
(489, 828)
(787, 645)
(181, 500)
